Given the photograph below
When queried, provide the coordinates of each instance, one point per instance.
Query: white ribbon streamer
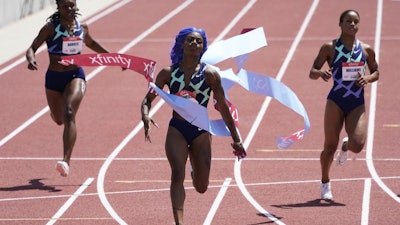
(235, 46)
(193, 112)
(238, 47)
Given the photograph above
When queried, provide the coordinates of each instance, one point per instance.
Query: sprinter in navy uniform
(347, 58)
(65, 85)
(190, 78)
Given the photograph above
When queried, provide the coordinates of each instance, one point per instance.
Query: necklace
(352, 50)
(69, 27)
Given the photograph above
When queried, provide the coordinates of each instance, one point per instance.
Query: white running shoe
(63, 168)
(342, 155)
(326, 191)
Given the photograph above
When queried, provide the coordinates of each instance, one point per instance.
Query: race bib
(72, 45)
(351, 70)
(187, 94)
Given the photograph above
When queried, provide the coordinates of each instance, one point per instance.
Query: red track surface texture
(117, 178)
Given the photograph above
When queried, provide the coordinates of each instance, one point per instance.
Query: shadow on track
(34, 184)
(312, 203)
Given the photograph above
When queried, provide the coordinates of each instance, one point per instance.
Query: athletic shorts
(57, 81)
(189, 131)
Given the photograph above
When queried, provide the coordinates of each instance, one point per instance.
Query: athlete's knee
(57, 120)
(177, 176)
(329, 149)
(69, 114)
(200, 182)
(201, 187)
(355, 147)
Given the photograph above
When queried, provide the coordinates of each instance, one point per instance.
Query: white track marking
(262, 112)
(372, 108)
(366, 200)
(192, 188)
(217, 201)
(69, 202)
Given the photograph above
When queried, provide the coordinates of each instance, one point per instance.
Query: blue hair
(177, 51)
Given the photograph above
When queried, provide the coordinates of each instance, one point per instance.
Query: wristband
(236, 153)
(239, 143)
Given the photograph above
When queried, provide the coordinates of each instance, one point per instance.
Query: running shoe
(63, 168)
(342, 155)
(326, 191)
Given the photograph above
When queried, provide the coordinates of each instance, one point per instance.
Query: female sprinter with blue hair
(190, 78)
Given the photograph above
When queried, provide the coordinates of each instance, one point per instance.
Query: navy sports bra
(345, 65)
(197, 88)
(61, 43)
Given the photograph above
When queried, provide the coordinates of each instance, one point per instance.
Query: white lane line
(217, 201)
(24, 125)
(69, 202)
(371, 125)
(366, 200)
(192, 188)
(165, 158)
(107, 163)
(245, 9)
(262, 112)
(235, 20)
(116, 151)
(372, 109)
(17, 62)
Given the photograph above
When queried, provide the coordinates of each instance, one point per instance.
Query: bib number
(351, 70)
(72, 45)
(188, 95)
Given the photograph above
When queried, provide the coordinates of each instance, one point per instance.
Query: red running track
(117, 178)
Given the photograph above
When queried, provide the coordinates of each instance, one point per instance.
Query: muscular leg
(55, 100)
(333, 123)
(356, 128)
(63, 107)
(200, 158)
(176, 149)
(73, 96)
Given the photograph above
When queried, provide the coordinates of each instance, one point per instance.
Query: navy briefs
(189, 131)
(346, 105)
(57, 81)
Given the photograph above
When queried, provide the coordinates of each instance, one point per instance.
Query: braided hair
(176, 54)
(56, 16)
